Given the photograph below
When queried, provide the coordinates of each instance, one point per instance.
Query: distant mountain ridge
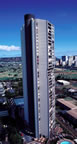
(11, 59)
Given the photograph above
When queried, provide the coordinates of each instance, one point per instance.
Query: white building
(2, 90)
(63, 82)
(37, 41)
(75, 60)
(70, 60)
(64, 60)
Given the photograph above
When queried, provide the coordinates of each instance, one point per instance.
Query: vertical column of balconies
(38, 82)
(51, 79)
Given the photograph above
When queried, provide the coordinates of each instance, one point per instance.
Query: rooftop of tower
(29, 16)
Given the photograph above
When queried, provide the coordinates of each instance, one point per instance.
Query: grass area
(68, 99)
(73, 101)
(10, 70)
(73, 76)
(8, 75)
(68, 76)
(68, 70)
(75, 84)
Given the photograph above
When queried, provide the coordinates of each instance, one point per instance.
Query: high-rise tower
(37, 42)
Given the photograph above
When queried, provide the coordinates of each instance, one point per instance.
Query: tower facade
(37, 42)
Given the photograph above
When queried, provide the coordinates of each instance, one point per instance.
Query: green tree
(15, 75)
(15, 139)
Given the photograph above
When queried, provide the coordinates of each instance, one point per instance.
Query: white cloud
(9, 48)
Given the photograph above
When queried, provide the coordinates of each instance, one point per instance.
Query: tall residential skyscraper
(37, 41)
(64, 60)
(70, 60)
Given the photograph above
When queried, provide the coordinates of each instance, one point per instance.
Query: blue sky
(62, 13)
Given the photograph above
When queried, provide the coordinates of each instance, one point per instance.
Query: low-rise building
(72, 115)
(63, 82)
(69, 110)
(65, 104)
(16, 107)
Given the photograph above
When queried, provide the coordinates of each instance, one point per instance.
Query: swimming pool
(65, 142)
